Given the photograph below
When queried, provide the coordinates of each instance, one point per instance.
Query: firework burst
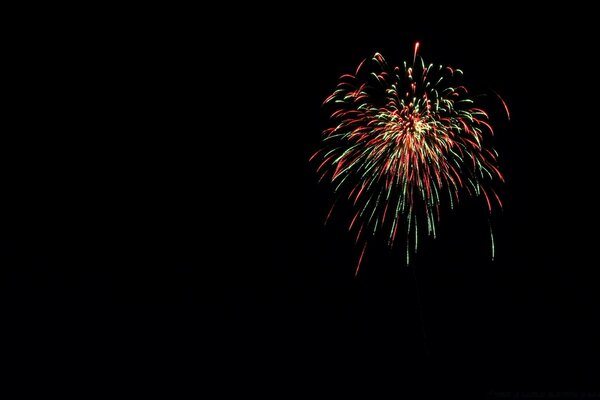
(405, 141)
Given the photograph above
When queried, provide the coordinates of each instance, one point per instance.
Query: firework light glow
(406, 141)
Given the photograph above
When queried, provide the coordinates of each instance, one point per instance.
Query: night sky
(162, 227)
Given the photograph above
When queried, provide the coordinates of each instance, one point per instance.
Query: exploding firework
(405, 141)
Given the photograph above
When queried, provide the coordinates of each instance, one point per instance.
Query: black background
(162, 227)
